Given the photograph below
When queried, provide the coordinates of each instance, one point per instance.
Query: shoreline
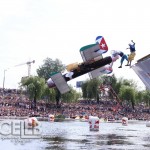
(66, 119)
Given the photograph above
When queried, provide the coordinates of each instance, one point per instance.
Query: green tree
(71, 96)
(49, 94)
(117, 83)
(128, 93)
(90, 88)
(146, 97)
(139, 96)
(84, 89)
(35, 87)
(50, 66)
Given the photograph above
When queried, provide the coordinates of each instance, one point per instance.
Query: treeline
(36, 87)
(126, 91)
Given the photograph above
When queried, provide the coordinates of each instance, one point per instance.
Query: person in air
(132, 53)
(122, 55)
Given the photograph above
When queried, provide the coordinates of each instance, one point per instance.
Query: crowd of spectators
(15, 104)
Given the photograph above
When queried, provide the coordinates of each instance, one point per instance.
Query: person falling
(122, 55)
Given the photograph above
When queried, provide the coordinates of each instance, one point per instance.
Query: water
(75, 135)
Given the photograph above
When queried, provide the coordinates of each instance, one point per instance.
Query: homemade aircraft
(93, 63)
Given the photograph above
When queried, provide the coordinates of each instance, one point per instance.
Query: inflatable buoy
(51, 118)
(94, 123)
(124, 121)
(148, 124)
(31, 122)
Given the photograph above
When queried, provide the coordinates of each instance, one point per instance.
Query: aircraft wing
(89, 52)
(107, 69)
(95, 73)
(60, 83)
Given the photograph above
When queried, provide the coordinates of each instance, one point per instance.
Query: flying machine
(93, 63)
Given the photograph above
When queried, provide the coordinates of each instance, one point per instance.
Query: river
(75, 135)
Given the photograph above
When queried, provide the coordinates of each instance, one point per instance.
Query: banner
(142, 69)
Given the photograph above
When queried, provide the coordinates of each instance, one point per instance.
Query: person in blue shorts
(122, 55)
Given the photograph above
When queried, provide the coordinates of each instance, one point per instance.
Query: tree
(49, 94)
(90, 87)
(117, 83)
(139, 96)
(71, 96)
(128, 93)
(84, 89)
(35, 88)
(50, 66)
(146, 97)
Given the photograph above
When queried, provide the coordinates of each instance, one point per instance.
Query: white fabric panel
(60, 83)
(98, 72)
(89, 54)
(142, 69)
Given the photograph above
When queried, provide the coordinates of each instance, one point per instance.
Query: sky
(40, 29)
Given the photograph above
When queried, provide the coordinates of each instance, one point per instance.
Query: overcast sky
(37, 29)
